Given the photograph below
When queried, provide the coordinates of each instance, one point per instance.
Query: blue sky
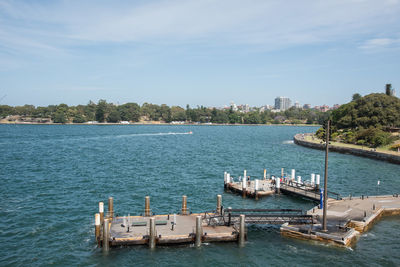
(202, 52)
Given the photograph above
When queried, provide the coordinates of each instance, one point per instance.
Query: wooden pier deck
(183, 232)
(346, 218)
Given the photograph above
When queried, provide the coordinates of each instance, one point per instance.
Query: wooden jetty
(152, 230)
(346, 218)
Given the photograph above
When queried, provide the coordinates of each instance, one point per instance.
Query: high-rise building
(282, 103)
(297, 104)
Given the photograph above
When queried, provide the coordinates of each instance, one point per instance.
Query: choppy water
(52, 178)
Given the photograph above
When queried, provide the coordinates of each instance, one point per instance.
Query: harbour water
(52, 177)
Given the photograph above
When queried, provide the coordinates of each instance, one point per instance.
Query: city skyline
(196, 52)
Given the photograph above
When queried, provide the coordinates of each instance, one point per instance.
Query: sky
(200, 52)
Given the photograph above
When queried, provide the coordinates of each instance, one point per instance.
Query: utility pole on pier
(326, 176)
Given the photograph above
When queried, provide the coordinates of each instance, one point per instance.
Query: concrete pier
(346, 219)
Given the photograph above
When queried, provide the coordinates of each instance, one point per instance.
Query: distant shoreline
(155, 123)
(392, 157)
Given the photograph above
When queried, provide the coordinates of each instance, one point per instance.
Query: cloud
(380, 43)
(273, 24)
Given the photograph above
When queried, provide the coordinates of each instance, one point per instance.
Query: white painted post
(256, 185)
(299, 179)
(245, 175)
(312, 178)
(228, 178)
(225, 180)
(244, 183)
(293, 174)
(278, 184)
(101, 212)
(317, 180)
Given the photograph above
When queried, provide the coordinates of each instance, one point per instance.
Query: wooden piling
(265, 174)
(110, 208)
(219, 204)
(147, 211)
(97, 227)
(184, 210)
(106, 236)
(199, 231)
(152, 233)
(101, 212)
(242, 230)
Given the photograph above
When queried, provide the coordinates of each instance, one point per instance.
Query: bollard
(110, 208)
(228, 178)
(97, 227)
(106, 238)
(147, 211)
(101, 212)
(225, 179)
(152, 233)
(317, 180)
(362, 197)
(365, 213)
(298, 179)
(244, 184)
(219, 204)
(265, 174)
(242, 230)
(373, 207)
(312, 178)
(245, 175)
(321, 199)
(278, 185)
(256, 182)
(184, 210)
(293, 176)
(199, 231)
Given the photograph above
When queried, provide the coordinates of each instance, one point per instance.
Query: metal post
(219, 204)
(152, 233)
(147, 211)
(110, 208)
(97, 227)
(199, 231)
(106, 238)
(324, 228)
(184, 205)
(101, 212)
(242, 229)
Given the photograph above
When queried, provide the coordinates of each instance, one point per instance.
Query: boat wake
(152, 134)
(288, 142)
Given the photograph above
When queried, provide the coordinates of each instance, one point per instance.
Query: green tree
(355, 97)
(101, 111)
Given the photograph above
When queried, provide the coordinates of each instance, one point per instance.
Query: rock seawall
(299, 139)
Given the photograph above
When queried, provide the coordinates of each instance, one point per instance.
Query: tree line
(133, 112)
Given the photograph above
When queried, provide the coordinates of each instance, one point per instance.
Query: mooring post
(97, 227)
(228, 178)
(225, 179)
(184, 205)
(152, 233)
(317, 181)
(111, 208)
(199, 231)
(293, 176)
(147, 211)
(278, 185)
(312, 179)
(244, 183)
(265, 174)
(256, 188)
(324, 226)
(242, 230)
(219, 204)
(106, 234)
(298, 180)
(101, 212)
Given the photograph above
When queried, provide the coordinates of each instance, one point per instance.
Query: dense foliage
(108, 112)
(364, 120)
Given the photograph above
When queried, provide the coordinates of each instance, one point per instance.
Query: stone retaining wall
(299, 139)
